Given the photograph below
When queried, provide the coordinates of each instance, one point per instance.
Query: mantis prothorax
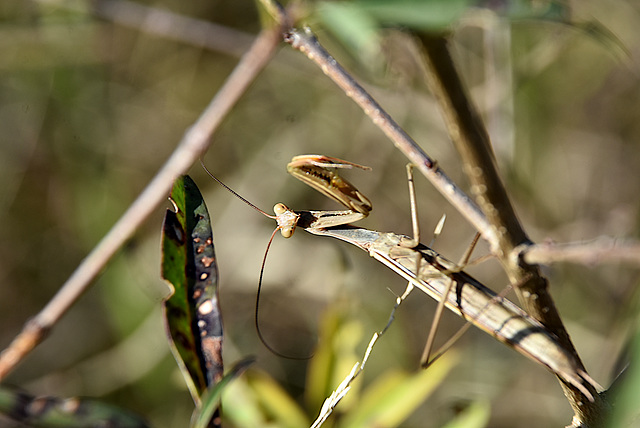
(424, 268)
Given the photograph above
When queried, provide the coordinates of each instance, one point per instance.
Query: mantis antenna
(284, 225)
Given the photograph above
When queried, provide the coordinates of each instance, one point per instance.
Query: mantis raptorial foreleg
(314, 171)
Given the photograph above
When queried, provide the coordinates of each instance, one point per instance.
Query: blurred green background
(90, 109)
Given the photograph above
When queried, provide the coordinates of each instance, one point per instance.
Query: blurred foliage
(257, 400)
(90, 109)
(51, 412)
(432, 15)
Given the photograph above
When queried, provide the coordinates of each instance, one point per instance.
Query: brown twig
(190, 148)
(602, 250)
(472, 142)
(306, 43)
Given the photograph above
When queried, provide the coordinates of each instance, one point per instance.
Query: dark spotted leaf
(192, 313)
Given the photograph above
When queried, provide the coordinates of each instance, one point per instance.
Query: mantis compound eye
(287, 232)
(280, 209)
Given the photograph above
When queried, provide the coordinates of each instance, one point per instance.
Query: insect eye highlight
(279, 208)
(287, 232)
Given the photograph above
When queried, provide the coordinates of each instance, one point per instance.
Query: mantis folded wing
(472, 301)
(426, 270)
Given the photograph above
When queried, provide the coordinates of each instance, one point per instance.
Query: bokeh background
(91, 108)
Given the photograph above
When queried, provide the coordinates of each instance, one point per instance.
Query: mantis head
(286, 218)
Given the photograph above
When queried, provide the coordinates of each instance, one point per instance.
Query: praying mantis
(423, 267)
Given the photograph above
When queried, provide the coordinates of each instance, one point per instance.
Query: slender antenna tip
(233, 192)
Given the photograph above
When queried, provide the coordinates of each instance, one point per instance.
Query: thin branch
(172, 26)
(343, 389)
(306, 43)
(176, 27)
(193, 144)
(602, 250)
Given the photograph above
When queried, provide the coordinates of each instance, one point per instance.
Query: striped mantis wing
(472, 301)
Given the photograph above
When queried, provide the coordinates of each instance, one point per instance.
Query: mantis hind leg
(411, 243)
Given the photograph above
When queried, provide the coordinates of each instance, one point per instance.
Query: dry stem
(601, 250)
(472, 142)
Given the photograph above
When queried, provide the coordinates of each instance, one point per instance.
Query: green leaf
(52, 412)
(334, 357)
(211, 398)
(416, 14)
(396, 395)
(357, 31)
(625, 389)
(189, 265)
(357, 23)
(474, 416)
(278, 404)
(371, 14)
(242, 406)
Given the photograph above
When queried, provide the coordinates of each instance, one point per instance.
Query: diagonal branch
(191, 147)
(305, 42)
(601, 250)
